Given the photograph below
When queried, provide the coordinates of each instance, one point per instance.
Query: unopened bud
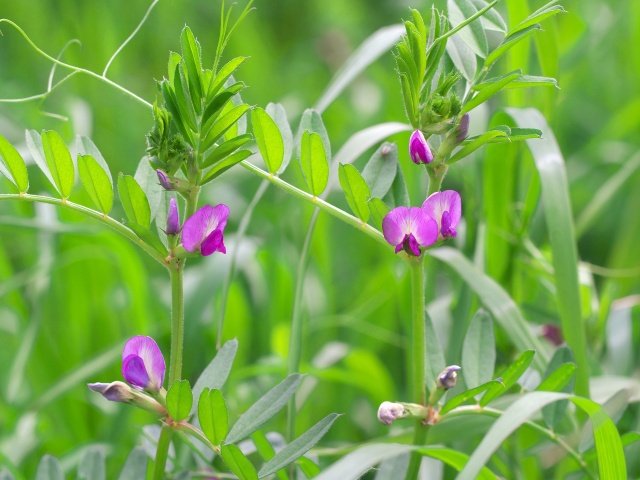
(173, 218)
(463, 128)
(121, 392)
(390, 412)
(166, 183)
(419, 148)
(447, 379)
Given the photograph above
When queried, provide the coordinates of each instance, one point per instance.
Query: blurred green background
(71, 292)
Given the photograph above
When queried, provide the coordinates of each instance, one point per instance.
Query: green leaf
(265, 408)
(222, 124)
(553, 413)
(148, 236)
(306, 465)
(462, 57)
(34, 143)
(171, 102)
(474, 144)
(509, 377)
(217, 372)
(558, 216)
(510, 42)
(298, 447)
(277, 112)
(313, 160)
(134, 201)
(380, 170)
(611, 462)
(312, 121)
(492, 16)
(504, 310)
(49, 468)
(238, 463)
(372, 48)
(524, 81)
(224, 165)
(92, 466)
(469, 394)
(266, 451)
(183, 98)
(179, 400)
(135, 467)
(473, 34)
(398, 195)
(217, 82)
(539, 15)
(478, 351)
(268, 138)
(490, 91)
(97, 182)
(225, 149)
(213, 416)
(59, 162)
(191, 58)
(14, 163)
(356, 190)
(218, 104)
(378, 210)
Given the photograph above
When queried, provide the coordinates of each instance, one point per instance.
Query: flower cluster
(143, 368)
(411, 228)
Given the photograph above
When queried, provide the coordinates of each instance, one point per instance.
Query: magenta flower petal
(143, 364)
(199, 228)
(173, 218)
(419, 148)
(409, 228)
(446, 209)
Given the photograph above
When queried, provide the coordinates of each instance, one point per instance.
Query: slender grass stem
(114, 224)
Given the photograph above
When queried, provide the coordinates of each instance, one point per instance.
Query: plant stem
(162, 452)
(192, 201)
(436, 176)
(177, 321)
(418, 354)
(115, 225)
(321, 204)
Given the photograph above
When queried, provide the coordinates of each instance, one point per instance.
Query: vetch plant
(200, 132)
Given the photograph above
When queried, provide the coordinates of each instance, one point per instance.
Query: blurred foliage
(71, 292)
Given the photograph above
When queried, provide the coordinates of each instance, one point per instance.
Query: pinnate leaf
(97, 182)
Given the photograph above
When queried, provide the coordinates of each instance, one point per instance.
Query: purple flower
(164, 180)
(553, 333)
(204, 230)
(389, 412)
(419, 148)
(114, 391)
(409, 228)
(173, 218)
(143, 364)
(445, 209)
(463, 128)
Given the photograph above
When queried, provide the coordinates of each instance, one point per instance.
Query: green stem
(177, 321)
(115, 225)
(436, 176)
(321, 204)
(162, 452)
(192, 201)
(418, 355)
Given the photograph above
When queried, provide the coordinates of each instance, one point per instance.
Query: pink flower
(445, 208)
(409, 228)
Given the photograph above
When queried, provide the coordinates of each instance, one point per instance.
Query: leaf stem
(323, 205)
(177, 320)
(114, 224)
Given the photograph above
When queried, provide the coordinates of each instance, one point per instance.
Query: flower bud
(389, 412)
(447, 379)
(419, 148)
(166, 183)
(462, 130)
(173, 218)
(114, 391)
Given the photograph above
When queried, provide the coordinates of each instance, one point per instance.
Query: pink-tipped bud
(419, 148)
(173, 218)
(390, 412)
(463, 128)
(166, 183)
(447, 379)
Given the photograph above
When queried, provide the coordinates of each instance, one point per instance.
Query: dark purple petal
(447, 230)
(419, 148)
(463, 128)
(164, 180)
(552, 333)
(202, 224)
(152, 362)
(173, 218)
(440, 202)
(135, 372)
(392, 225)
(114, 391)
(213, 243)
(412, 245)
